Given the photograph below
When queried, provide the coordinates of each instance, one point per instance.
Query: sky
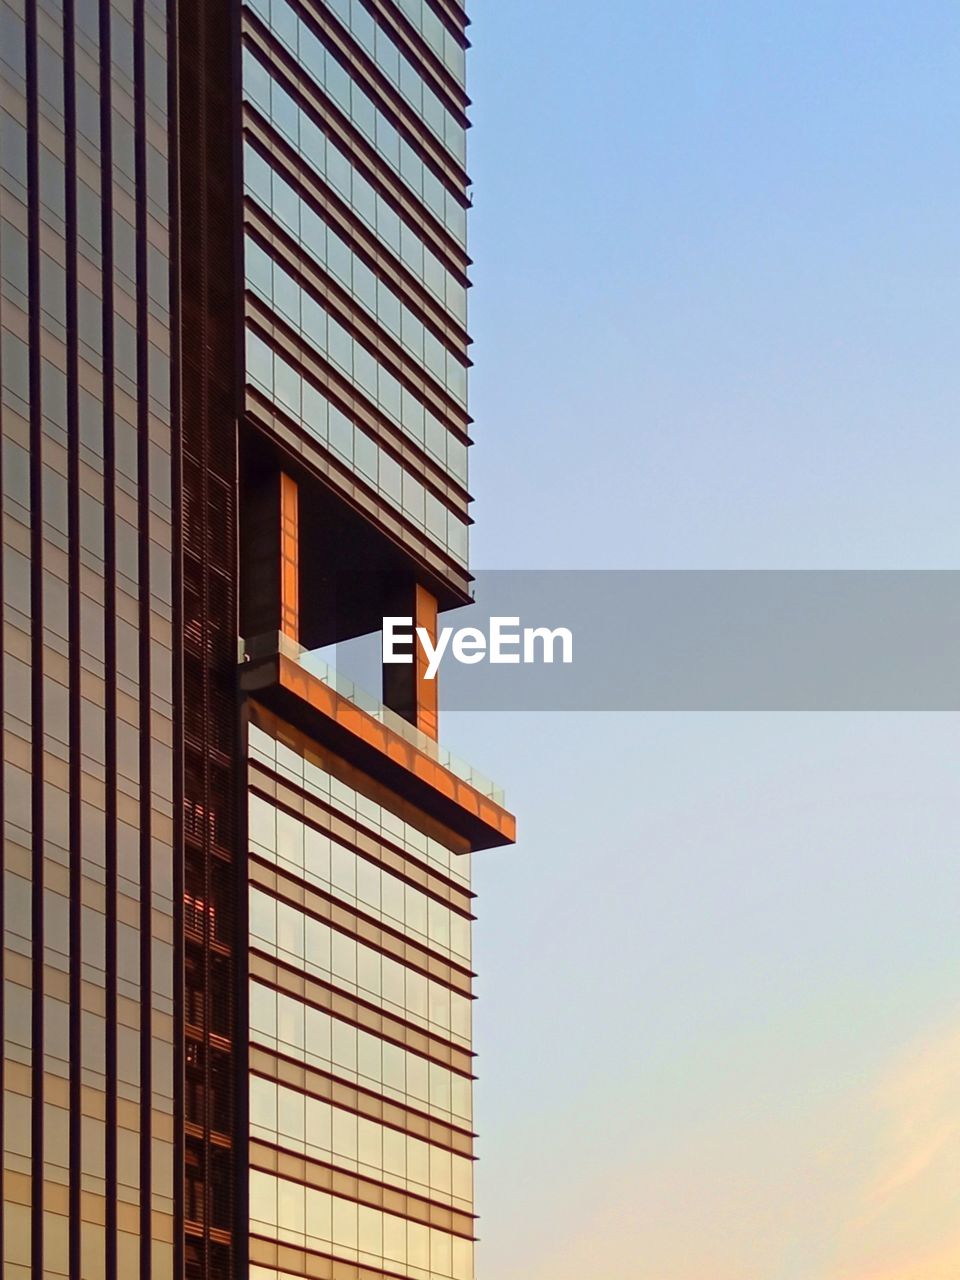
(716, 322)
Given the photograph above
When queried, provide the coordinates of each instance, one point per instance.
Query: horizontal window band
(337, 37)
(277, 427)
(404, 31)
(339, 393)
(401, 868)
(384, 348)
(375, 85)
(355, 924)
(455, 13)
(356, 1187)
(315, 1083)
(310, 1264)
(363, 157)
(361, 1014)
(453, 1029)
(293, 77)
(280, 335)
(346, 221)
(301, 804)
(290, 162)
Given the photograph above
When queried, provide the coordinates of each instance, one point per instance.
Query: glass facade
(348, 91)
(235, 971)
(360, 944)
(355, 250)
(88, 791)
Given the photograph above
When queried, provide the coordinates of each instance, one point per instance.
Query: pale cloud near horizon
(719, 974)
(906, 1225)
(922, 1097)
(869, 1190)
(941, 1264)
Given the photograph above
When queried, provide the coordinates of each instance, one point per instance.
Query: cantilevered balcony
(377, 740)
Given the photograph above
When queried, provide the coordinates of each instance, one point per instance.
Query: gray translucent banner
(719, 641)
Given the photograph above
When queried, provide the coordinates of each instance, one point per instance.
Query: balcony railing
(262, 646)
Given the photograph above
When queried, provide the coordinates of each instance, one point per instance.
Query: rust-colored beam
(289, 557)
(426, 707)
(378, 752)
(406, 688)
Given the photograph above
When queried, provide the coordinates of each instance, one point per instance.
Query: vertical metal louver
(213, 777)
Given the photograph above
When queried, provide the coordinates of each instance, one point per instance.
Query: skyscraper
(236, 896)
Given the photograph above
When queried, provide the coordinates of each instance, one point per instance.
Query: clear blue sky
(717, 317)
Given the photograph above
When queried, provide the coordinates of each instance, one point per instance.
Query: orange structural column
(406, 688)
(289, 557)
(425, 691)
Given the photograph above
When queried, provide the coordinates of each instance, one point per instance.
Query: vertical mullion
(36, 628)
(238, 743)
(143, 550)
(73, 606)
(3, 917)
(204, 517)
(176, 457)
(208, 210)
(109, 646)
